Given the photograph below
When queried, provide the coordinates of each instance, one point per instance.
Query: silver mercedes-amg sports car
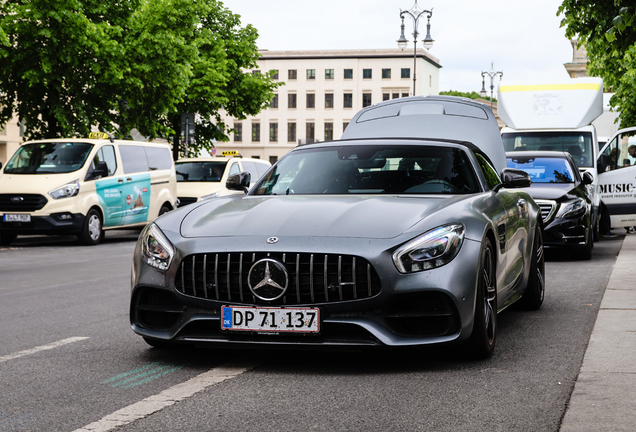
(409, 231)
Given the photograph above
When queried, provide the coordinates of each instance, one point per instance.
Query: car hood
(325, 216)
(549, 191)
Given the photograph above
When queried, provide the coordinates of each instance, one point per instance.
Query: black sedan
(564, 197)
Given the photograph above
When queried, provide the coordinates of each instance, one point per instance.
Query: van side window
(250, 167)
(158, 158)
(234, 169)
(133, 159)
(106, 154)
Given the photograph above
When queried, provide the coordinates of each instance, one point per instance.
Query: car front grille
(21, 202)
(312, 278)
(548, 207)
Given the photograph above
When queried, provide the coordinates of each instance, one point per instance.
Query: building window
(274, 102)
(256, 157)
(273, 159)
(395, 96)
(366, 100)
(311, 73)
(291, 74)
(256, 72)
(406, 73)
(344, 126)
(291, 132)
(256, 132)
(310, 132)
(273, 132)
(311, 100)
(386, 73)
(274, 74)
(405, 95)
(238, 132)
(348, 100)
(366, 73)
(348, 74)
(329, 131)
(386, 96)
(291, 100)
(329, 74)
(328, 100)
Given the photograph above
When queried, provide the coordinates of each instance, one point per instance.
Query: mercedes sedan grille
(548, 207)
(312, 278)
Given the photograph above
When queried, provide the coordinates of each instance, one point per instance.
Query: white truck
(558, 115)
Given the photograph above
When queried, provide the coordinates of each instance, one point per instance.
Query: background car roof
(433, 117)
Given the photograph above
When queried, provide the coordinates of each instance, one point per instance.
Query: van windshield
(48, 158)
(200, 171)
(578, 144)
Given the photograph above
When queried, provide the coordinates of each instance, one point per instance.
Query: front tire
(482, 341)
(585, 253)
(92, 230)
(6, 238)
(535, 290)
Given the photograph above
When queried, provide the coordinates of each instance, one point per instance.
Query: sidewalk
(604, 397)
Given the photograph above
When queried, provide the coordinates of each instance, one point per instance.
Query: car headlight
(214, 195)
(68, 190)
(156, 249)
(572, 208)
(430, 250)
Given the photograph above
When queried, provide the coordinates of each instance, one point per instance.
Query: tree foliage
(469, 95)
(69, 65)
(608, 29)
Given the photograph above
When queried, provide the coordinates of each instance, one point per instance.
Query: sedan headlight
(430, 250)
(68, 190)
(156, 249)
(572, 208)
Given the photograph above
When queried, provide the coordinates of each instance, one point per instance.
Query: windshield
(372, 169)
(578, 144)
(544, 169)
(48, 158)
(200, 171)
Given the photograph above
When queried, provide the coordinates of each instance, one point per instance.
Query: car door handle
(128, 178)
(120, 181)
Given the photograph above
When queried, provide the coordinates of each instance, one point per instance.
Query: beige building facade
(322, 91)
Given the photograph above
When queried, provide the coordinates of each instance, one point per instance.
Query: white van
(84, 186)
(205, 177)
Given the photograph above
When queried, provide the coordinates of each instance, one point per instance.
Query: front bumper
(430, 307)
(565, 233)
(57, 223)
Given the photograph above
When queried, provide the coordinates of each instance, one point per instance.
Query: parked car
(563, 194)
(408, 236)
(205, 177)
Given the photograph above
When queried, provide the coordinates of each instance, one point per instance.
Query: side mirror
(588, 178)
(101, 170)
(514, 178)
(240, 181)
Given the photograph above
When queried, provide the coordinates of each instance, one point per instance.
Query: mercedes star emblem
(268, 279)
(272, 240)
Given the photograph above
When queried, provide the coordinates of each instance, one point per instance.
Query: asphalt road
(68, 360)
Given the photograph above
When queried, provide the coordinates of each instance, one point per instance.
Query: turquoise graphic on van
(125, 200)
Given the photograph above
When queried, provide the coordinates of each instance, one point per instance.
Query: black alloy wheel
(535, 290)
(482, 341)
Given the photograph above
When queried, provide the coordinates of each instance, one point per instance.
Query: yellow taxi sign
(98, 135)
(229, 153)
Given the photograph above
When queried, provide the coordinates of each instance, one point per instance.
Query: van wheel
(164, 209)
(92, 232)
(7, 238)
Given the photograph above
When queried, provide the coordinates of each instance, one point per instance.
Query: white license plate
(16, 218)
(278, 320)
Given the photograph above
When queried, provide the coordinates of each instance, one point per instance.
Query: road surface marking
(168, 397)
(41, 348)
(142, 375)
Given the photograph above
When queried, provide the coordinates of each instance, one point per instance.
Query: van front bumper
(56, 223)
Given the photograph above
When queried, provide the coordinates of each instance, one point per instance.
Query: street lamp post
(415, 13)
(492, 74)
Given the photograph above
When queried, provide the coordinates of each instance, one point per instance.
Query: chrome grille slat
(548, 208)
(343, 277)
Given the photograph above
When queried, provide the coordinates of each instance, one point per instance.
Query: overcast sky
(521, 37)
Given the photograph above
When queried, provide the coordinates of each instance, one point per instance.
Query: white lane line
(168, 397)
(41, 348)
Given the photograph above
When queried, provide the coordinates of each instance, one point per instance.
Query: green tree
(70, 65)
(469, 95)
(608, 29)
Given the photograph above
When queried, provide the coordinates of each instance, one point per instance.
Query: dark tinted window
(133, 158)
(200, 171)
(48, 158)
(158, 158)
(492, 179)
(578, 144)
(372, 169)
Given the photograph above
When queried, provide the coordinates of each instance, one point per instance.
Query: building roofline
(348, 54)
